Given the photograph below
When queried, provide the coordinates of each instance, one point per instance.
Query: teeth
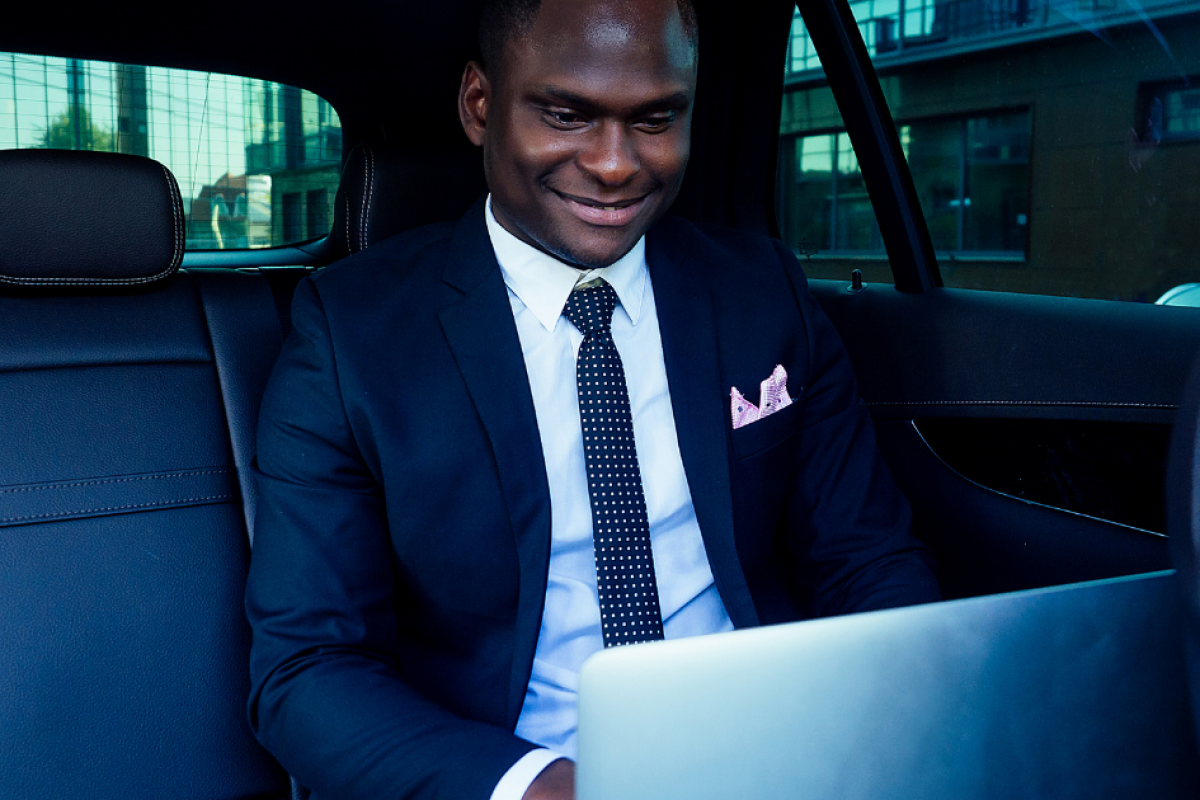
(609, 208)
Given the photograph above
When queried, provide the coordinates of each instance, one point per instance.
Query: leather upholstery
(246, 339)
(87, 219)
(385, 191)
(123, 541)
(1183, 522)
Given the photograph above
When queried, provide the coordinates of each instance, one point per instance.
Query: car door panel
(1044, 366)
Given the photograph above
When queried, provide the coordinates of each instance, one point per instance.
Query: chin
(602, 253)
(584, 256)
(588, 258)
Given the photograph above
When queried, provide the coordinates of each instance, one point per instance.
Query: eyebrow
(671, 102)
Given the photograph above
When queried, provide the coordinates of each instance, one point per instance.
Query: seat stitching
(113, 480)
(368, 192)
(1107, 404)
(176, 208)
(84, 281)
(120, 508)
(177, 246)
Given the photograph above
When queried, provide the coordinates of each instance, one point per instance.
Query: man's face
(586, 130)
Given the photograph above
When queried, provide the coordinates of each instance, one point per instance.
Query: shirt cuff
(520, 775)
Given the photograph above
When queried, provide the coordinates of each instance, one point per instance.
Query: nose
(610, 156)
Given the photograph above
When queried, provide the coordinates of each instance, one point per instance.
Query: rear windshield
(256, 161)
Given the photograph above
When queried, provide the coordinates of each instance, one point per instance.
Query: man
(470, 423)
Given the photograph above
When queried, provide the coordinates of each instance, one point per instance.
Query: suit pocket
(766, 432)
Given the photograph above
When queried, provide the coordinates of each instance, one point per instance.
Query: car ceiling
(391, 69)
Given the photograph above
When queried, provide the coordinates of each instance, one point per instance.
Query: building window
(971, 175)
(292, 219)
(922, 28)
(1168, 111)
(825, 204)
(316, 210)
(236, 145)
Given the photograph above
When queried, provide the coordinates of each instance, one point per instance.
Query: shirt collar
(543, 283)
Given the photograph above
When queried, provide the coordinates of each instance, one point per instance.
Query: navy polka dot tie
(629, 610)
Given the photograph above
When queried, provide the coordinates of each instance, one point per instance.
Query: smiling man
(585, 122)
(493, 448)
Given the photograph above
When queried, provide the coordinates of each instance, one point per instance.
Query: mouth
(605, 213)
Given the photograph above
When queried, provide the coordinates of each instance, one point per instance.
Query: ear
(474, 98)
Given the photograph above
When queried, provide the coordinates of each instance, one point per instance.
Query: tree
(74, 129)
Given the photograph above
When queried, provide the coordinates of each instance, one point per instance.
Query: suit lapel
(477, 319)
(700, 403)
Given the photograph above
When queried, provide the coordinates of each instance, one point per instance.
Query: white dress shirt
(538, 286)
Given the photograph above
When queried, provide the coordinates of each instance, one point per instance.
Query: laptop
(1074, 691)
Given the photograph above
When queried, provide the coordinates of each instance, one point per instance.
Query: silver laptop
(1075, 691)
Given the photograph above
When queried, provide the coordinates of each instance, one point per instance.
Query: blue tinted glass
(1054, 145)
(237, 146)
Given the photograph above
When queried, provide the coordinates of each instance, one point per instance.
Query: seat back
(385, 191)
(123, 542)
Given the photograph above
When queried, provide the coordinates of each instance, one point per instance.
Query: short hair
(503, 20)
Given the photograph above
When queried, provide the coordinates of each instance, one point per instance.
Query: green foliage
(74, 129)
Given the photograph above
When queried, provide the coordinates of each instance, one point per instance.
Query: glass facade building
(257, 161)
(1052, 144)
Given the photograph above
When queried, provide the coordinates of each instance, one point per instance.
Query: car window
(256, 161)
(823, 209)
(1055, 146)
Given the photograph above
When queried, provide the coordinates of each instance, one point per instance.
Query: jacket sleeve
(849, 526)
(326, 698)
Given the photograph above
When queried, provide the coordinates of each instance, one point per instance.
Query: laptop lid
(1075, 691)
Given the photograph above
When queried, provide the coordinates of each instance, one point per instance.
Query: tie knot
(590, 310)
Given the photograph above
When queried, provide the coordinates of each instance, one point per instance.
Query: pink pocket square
(772, 397)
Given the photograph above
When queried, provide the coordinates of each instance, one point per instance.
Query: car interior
(1029, 431)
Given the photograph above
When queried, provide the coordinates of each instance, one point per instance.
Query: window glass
(1181, 117)
(972, 179)
(1055, 147)
(1169, 111)
(994, 194)
(239, 147)
(934, 149)
(855, 229)
(807, 181)
(823, 210)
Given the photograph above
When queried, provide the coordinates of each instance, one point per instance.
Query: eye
(560, 118)
(657, 123)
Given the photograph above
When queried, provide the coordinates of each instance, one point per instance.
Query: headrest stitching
(369, 195)
(366, 191)
(176, 214)
(346, 203)
(177, 248)
(83, 281)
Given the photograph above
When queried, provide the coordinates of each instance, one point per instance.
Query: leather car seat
(385, 190)
(126, 420)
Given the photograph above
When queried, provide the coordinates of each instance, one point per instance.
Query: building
(233, 212)
(301, 138)
(277, 146)
(1053, 145)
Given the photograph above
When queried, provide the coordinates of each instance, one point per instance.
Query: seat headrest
(385, 191)
(87, 219)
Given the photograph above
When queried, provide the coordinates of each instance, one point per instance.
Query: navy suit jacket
(403, 528)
